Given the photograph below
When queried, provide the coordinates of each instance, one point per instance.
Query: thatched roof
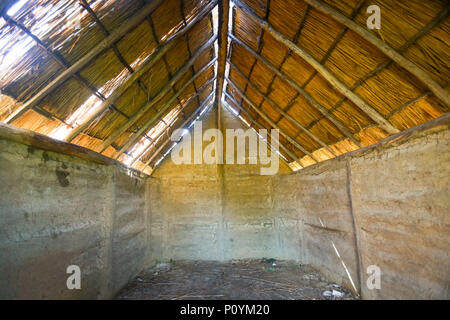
(117, 76)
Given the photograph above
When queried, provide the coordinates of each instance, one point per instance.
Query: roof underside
(119, 76)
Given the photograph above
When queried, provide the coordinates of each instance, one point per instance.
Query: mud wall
(211, 212)
(58, 210)
(386, 205)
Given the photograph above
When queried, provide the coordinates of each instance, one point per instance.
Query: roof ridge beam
(273, 124)
(327, 75)
(302, 91)
(386, 49)
(115, 35)
(151, 121)
(286, 115)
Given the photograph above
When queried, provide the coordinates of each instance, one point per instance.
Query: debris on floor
(333, 293)
(238, 279)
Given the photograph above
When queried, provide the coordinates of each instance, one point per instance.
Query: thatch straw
(390, 90)
(351, 59)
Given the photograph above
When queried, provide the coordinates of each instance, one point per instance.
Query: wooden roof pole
(253, 120)
(305, 94)
(224, 8)
(77, 66)
(281, 111)
(442, 94)
(259, 47)
(164, 58)
(433, 23)
(336, 40)
(273, 124)
(168, 125)
(142, 69)
(105, 31)
(5, 5)
(328, 53)
(161, 94)
(58, 57)
(193, 115)
(188, 42)
(327, 75)
(151, 121)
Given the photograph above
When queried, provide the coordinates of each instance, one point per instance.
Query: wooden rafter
(327, 75)
(182, 9)
(259, 45)
(224, 7)
(273, 124)
(433, 23)
(326, 56)
(106, 43)
(409, 103)
(282, 112)
(313, 102)
(192, 117)
(143, 68)
(169, 125)
(322, 61)
(58, 57)
(335, 41)
(105, 32)
(151, 122)
(161, 94)
(164, 58)
(254, 121)
(286, 56)
(442, 94)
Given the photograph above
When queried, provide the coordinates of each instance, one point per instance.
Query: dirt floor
(242, 279)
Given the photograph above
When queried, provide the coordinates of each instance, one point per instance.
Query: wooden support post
(327, 75)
